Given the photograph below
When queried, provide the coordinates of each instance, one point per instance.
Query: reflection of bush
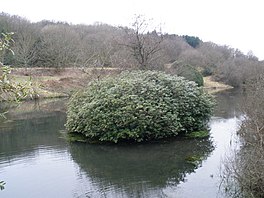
(228, 103)
(29, 131)
(37, 108)
(138, 168)
(139, 106)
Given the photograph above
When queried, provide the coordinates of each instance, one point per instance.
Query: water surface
(36, 161)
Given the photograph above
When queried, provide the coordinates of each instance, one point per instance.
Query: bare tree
(174, 46)
(58, 46)
(193, 57)
(251, 55)
(243, 174)
(143, 45)
(26, 36)
(96, 45)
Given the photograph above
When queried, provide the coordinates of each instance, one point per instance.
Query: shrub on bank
(188, 72)
(138, 106)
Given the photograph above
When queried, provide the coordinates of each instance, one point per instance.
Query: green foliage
(207, 71)
(6, 41)
(138, 106)
(195, 160)
(6, 53)
(9, 90)
(12, 91)
(76, 137)
(192, 40)
(187, 71)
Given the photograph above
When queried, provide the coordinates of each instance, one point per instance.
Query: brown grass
(212, 86)
(53, 83)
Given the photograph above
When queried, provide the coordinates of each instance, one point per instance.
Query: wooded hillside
(60, 45)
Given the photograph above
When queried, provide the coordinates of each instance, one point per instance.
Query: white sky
(237, 23)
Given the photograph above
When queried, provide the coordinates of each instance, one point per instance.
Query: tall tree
(58, 46)
(143, 45)
(192, 40)
(26, 37)
(96, 45)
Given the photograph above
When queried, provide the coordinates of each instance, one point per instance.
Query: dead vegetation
(213, 86)
(243, 174)
(54, 83)
(50, 82)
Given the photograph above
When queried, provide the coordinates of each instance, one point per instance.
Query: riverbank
(213, 86)
(55, 83)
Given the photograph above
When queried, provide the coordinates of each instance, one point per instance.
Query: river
(37, 162)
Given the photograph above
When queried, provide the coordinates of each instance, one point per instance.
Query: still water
(37, 162)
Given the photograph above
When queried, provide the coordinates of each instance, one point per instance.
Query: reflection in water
(36, 162)
(135, 169)
(228, 103)
(206, 180)
(23, 136)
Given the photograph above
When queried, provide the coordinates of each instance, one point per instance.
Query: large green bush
(138, 106)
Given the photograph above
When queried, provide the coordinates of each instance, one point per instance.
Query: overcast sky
(236, 23)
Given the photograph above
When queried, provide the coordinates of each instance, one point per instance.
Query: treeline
(59, 45)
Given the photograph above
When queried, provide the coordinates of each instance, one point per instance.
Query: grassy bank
(54, 83)
(212, 86)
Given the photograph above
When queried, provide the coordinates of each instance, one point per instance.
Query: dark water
(36, 161)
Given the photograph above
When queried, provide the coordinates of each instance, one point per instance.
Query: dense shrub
(207, 71)
(188, 72)
(139, 106)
